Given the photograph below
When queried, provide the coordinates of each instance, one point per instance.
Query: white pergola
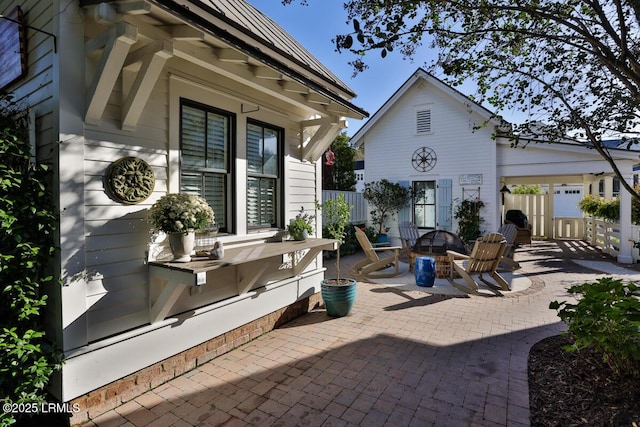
(559, 163)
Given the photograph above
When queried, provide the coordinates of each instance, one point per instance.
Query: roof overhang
(570, 147)
(420, 74)
(146, 34)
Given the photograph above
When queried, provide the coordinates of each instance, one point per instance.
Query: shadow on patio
(428, 360)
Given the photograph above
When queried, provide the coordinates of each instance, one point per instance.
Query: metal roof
(241, 26)
(262, 28)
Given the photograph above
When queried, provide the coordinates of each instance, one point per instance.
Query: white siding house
(109, 80)
(432, 137)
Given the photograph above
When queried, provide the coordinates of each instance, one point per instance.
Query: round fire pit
(435, 244)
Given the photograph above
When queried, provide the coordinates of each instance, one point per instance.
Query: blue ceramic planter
(338, 299)
(382, 238)
(425, 271)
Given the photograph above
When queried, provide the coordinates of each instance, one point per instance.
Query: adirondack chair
(370, 266)
(510, 232)
(409, 234)
(484, 259)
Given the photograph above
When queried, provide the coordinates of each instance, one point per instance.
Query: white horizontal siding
(116, 235)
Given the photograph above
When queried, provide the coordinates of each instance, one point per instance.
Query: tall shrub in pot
(339, 294)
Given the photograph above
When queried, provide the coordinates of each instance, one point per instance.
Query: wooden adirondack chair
(409, 234)
(370, 266)
(484, 259)
(510, 232)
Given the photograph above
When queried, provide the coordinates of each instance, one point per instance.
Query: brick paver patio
(400, 359)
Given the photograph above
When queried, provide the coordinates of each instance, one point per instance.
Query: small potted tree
(339, 294)
(387, 198)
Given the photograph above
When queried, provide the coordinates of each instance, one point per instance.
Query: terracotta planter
(338, 297)
(182, 245)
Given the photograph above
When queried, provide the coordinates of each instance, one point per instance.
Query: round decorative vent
(424, 159)
(130, 180)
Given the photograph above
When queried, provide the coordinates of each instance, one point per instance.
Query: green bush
(606, 319)
(589, 204)
(27, 224)
(600, 208)
(469, 220)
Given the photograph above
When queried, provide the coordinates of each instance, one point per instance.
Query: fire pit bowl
(435, 244)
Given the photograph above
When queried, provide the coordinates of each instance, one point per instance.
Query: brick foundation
(125, 389)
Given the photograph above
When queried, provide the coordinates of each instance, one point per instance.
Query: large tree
(571, 64)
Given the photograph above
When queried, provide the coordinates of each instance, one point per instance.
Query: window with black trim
(205, 157)
(264, 148)
(424, 204)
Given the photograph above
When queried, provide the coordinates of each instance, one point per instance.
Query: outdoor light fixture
(504, 190)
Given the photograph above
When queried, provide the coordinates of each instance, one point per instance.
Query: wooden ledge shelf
(250, 262)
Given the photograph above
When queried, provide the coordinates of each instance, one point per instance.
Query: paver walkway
(397, 360)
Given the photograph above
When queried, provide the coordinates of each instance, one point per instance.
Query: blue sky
(315, 25)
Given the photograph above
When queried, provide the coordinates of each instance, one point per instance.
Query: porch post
(625, 255)
(549, 227)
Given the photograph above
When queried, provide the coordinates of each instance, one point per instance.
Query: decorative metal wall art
(130, 180)
(424, 159)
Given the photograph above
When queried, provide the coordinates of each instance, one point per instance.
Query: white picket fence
(568, 228)
(356, 200)
(604, 235)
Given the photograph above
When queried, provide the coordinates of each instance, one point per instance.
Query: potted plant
(179, 216)
(387, 198)
(300, 227)
(339, 294)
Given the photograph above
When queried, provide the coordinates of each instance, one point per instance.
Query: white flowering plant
(180, 213)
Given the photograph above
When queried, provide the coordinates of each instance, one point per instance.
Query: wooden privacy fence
(356, 200)
(537, 209)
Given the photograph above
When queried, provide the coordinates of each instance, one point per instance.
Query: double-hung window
(264, 148)
(424, 204)
(205, 154)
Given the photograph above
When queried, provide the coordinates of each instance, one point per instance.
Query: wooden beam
(291, 86)
(337, 108)
(320, 121)
(116, 48)
(155, 56)
(265, 73)
(318, 99)
(185, 32)
(134, 8)
(231, 55)
(105, 14)
(204, 57)
(322, 139)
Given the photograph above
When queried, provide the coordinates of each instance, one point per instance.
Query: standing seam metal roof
(267, 31)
